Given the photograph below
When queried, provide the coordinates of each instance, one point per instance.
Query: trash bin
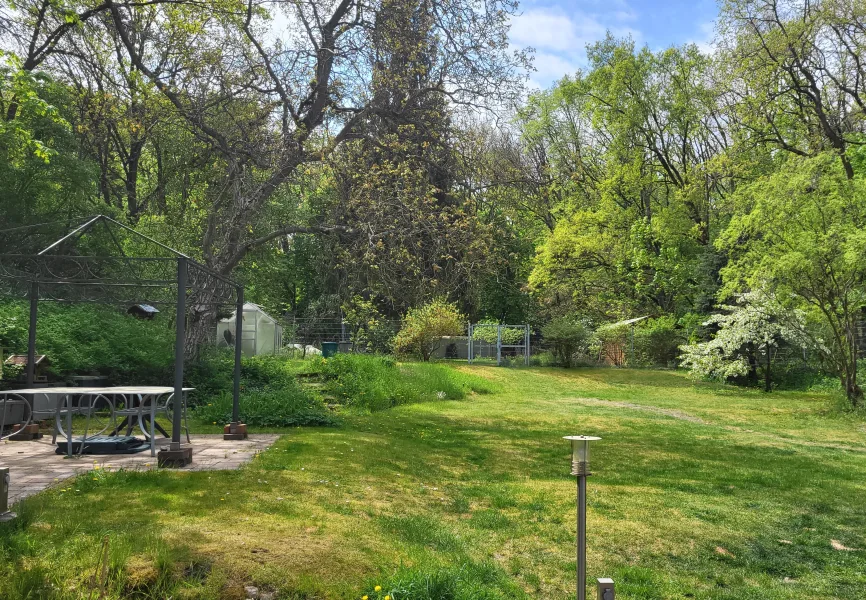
(329, 349)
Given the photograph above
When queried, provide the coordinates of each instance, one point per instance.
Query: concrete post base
(174, 458)
(235, 431)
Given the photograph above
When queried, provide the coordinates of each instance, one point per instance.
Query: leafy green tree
(370, 330)
(802, 232)
(425, 326)
(636, 145)
(42, 178)
(794, 74)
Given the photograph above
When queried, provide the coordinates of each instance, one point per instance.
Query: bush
(83, 338)
(567, 336)
(377, 382)
(424, 327)
(288, 406)
(213, 373)
(657, 342)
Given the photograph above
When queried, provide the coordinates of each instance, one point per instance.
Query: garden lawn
(699, 491)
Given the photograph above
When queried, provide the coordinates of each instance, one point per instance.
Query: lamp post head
(580, 453)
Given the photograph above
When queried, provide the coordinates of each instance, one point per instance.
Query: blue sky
(559, 30)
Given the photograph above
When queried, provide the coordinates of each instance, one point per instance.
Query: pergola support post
(237, 430)
(31, 334)
(176, 455)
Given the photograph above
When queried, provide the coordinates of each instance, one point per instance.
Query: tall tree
(801, 232)
(796, 75)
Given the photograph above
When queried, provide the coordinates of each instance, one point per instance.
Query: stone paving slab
(33, 465)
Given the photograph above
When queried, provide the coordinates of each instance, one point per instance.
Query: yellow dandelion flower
(387, 597)
(363, 597)
(378, 588)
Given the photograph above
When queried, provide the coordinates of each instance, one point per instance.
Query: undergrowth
(377, 382)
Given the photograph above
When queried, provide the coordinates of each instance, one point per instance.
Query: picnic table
(100, 406)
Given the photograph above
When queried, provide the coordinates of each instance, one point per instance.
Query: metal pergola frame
(56, 273)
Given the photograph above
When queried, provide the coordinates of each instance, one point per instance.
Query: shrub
(610, 342)
(567, 336)
(288, 406)
(423, 328)
(83, 338)
(752, 328)
(213, 372)
(657, 342)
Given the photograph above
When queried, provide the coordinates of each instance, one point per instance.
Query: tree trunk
(753, 363)
(201, 321)
(852, 390)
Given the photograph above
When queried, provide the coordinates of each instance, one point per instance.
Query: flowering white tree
(755, 325)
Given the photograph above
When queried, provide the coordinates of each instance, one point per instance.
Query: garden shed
(260, 333)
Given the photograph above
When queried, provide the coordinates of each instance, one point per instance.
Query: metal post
(498, 345)
(239, 326)
(469, 348)
(31, 335)
(179, 343)
(580, 469)
(526, 348)
(581, 537)
(69, 426)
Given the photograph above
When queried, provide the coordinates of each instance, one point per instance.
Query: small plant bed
(272, 394)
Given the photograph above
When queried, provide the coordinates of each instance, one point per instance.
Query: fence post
(498, 345)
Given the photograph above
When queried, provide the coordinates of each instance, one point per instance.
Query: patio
(34, 466)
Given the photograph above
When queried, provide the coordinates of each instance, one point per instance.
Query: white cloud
(549, 68)
(560, 38)
(550, 28)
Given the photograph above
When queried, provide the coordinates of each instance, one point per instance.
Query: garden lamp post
(580, 468)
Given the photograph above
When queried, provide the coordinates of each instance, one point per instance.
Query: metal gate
(487, 338)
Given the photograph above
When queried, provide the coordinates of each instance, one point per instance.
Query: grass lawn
(700, 491)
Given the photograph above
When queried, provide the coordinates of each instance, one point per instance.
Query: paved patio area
(33, 466)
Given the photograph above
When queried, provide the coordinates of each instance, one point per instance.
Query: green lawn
(699, 491)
